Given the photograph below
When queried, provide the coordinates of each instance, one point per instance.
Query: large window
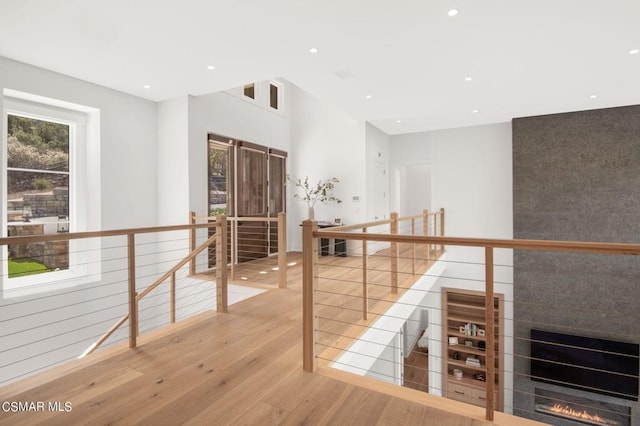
(37, 193)
(50, 178)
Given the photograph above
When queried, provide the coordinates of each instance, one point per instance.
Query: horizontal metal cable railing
(115, 286)
(489, 322)
(250, 239)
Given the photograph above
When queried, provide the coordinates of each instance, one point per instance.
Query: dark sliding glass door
(247, 180)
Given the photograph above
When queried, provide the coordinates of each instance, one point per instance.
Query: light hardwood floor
(243, 367)
(416, 370)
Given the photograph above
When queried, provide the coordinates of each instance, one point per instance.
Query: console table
(339, 245)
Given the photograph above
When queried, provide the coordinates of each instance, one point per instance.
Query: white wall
(471, 172)
(388, 366)
(183, 126)
(153, 165)
(77, 314)
(411, 188)
(235, 116)
(321, 143)
(325, 144)
(173, 161)
(472, 181)
(127, 138)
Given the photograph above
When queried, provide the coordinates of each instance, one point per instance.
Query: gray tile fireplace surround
(576, 176)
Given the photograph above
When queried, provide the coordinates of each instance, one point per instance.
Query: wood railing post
(394, 254)
(425, 232)
(309, 317)
(365, 296)
(137, 323)
(282, 250)
(490, 332)
(435, 229)
(173, 298)
(441, 228)
(222, 301)
(413, 248)
(192, 242)
(133, 304)
(233, 237)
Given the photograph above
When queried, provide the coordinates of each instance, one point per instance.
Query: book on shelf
(473, 360)
(469, 329)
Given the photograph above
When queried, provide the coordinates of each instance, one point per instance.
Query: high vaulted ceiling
(524, 57)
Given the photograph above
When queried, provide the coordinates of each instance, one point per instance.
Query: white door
(380, 183)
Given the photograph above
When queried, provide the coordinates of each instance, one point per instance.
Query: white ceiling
(525, 57)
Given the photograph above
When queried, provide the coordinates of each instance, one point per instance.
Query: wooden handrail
(98, 234)
(345, 228)
(105, 336)
(404, 218)
(134, 297)
(130, 233)
(311, 234)
(179, 265)
(547, 245)
(203, 218)
(280, 220)
(237, 218)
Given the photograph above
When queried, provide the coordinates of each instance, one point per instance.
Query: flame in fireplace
(582, 415)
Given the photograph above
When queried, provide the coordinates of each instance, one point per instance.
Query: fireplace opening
(581, 409)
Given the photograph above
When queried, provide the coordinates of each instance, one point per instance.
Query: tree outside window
(38, 192)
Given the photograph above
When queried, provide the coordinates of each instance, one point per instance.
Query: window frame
(84, 255)
(280, 97)
(256, 92)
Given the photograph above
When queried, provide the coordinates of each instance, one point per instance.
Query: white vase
(311, 215)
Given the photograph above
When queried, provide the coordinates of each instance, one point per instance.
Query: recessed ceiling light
(398, 121)
(475, 111)
(468, 79)
(314, 50)
(146, 86)
(453, 12)
(593, 97)
(634, 51)
(369, 96)
(211, 67)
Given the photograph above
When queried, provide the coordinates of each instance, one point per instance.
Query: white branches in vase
(322, 191)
